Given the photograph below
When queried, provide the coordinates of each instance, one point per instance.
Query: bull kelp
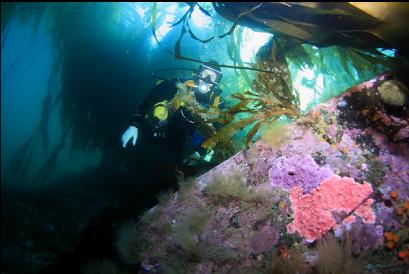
(349, 57)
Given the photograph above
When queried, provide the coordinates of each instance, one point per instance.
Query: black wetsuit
(178, 129)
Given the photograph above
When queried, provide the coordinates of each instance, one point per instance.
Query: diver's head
(208, 76)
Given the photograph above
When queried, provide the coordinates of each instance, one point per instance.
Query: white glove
(209, 156)
(131, 132)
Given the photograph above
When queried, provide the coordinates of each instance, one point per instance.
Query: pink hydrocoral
(366, 212)
(313, 212)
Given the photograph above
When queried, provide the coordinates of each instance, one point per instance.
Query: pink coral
(366, 212)
(313, 211)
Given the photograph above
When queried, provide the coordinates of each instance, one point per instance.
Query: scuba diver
(180, 114)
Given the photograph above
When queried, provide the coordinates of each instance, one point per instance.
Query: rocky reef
(332, 198)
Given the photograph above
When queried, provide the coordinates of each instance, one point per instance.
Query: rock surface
(344, 170)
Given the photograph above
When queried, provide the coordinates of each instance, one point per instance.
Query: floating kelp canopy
(315, 51)
(353, 24)
(314, 32)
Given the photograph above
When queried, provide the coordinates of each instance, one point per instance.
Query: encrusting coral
(313, 212)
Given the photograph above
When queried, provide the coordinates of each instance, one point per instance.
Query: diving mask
(208, 77)
(209, 74)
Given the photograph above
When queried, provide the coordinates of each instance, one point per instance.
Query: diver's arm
(150, 109)
(161, 92)
(137, 117)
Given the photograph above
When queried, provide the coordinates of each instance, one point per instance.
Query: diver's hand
(131, 132)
